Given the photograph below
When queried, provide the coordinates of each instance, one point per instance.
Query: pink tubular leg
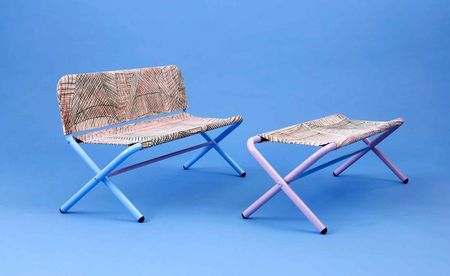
(371, 145)
(282, 184)
(350, 162)
(388, 163)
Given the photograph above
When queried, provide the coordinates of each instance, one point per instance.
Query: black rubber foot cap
(324, 231)
(405, 181)
(243, 174)
(141, 219)
(61, 211)
(244, 217)
(335, 174)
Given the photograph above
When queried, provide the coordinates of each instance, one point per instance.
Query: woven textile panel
(156, 131)
(336, 129)
(93, 100)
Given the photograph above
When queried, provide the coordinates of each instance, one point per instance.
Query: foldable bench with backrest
(329, 133)
(113, 108)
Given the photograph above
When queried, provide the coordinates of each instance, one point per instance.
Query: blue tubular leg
(225, 156)
(101, 175)
(329, 163)
(217, 140)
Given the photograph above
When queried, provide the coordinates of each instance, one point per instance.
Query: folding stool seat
(336, 129)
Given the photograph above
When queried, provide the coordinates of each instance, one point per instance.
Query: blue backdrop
(275, 63)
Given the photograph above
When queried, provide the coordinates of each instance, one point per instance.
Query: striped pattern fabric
(94, 100)
(156, 131)
(336, 129)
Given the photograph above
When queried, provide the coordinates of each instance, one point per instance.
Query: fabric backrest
(94, 100)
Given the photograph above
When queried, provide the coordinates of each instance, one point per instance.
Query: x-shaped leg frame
(282, 184)
(371, 146)
(102, 176)
(214, 144)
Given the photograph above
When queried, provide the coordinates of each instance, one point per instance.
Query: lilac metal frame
(282, 183)
(103, 175)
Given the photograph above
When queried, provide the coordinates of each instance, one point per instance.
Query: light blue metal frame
(215, 144)
(103, 175)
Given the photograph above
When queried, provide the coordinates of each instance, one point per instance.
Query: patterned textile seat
(156, 131)
(336, 129)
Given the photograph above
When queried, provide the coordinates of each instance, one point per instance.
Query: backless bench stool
(89, 102)
(330, 133)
